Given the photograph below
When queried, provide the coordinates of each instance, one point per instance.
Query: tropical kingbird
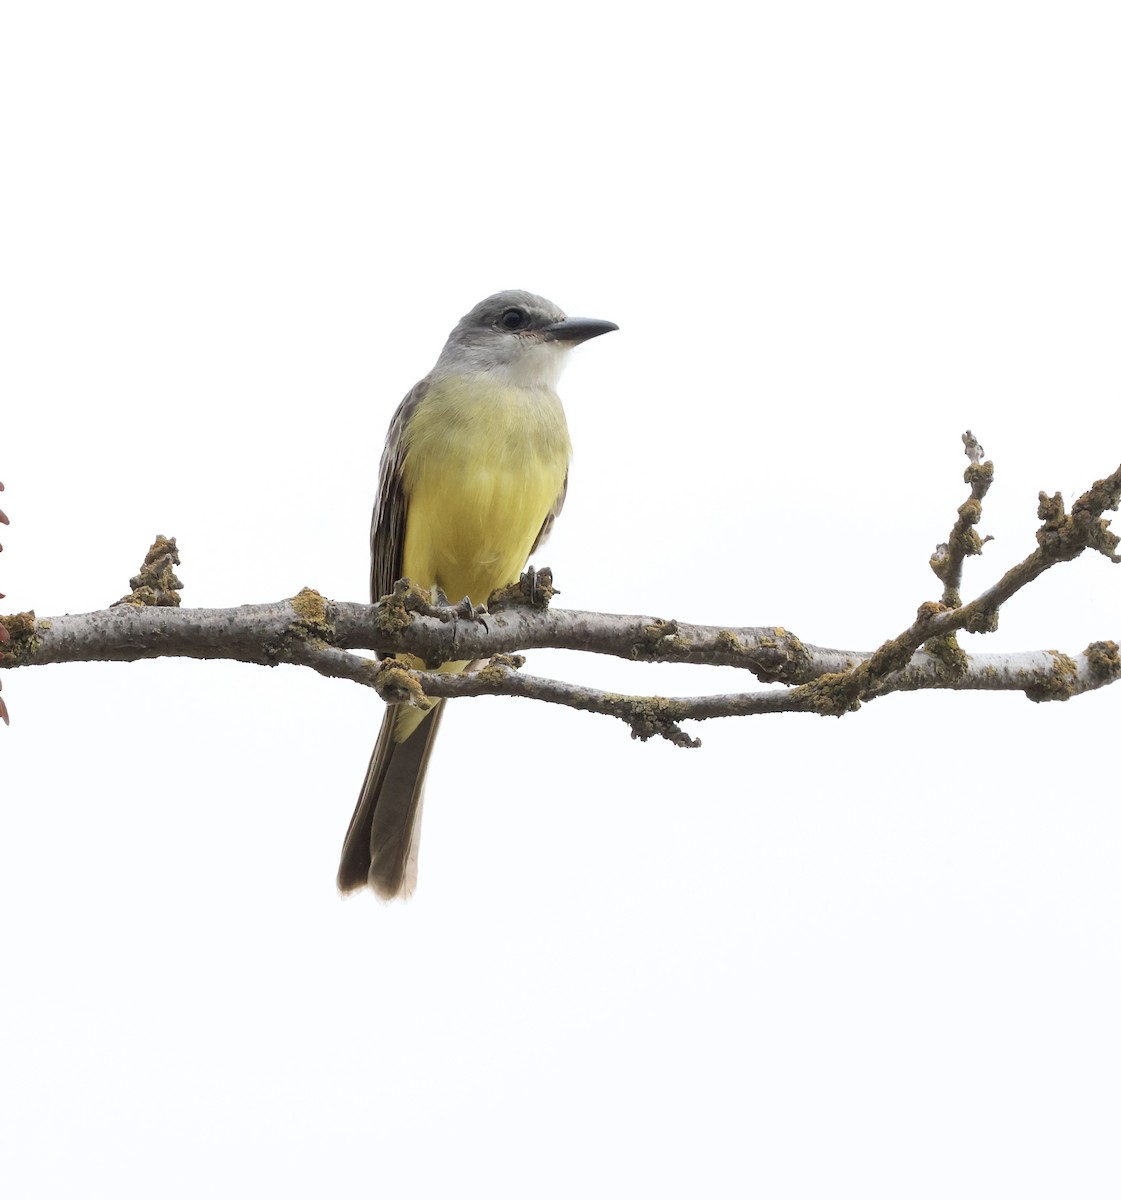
(473, 475)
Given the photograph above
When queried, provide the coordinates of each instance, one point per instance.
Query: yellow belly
(483, 469)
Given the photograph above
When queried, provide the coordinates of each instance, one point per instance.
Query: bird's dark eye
(513, 318)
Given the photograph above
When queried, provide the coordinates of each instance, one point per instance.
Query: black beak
(575, 330)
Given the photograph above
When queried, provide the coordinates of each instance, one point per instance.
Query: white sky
(876, 957)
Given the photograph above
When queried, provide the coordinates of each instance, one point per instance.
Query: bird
(472, 477)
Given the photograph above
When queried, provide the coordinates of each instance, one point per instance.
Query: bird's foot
(533, 590)
(466, 611)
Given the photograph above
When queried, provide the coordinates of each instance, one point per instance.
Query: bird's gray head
(519, 338)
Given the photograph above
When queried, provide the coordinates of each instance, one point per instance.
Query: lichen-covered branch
(1061, 538)
(949, 558)
(309, 630)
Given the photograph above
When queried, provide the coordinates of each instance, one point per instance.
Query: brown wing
(554, 512)
(387, 528)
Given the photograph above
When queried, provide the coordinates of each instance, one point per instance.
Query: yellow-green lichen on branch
(22, 634)
(660, 640)
(655, 716)
(156, 585)
(311, 613)
(499, 666)
(1060, 683)
(533, 589)
(830, 695)
(952, 660)
(775, 657)
(396, 685)
(395, 611)
(1104, 659)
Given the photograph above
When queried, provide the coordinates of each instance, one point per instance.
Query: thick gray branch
(310, 631)
(321, 634)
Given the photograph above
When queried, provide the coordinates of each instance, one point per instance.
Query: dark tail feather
(380, 848)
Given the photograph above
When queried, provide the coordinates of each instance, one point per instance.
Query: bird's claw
(537, 585)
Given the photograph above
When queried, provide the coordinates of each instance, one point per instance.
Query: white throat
(538, 365)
